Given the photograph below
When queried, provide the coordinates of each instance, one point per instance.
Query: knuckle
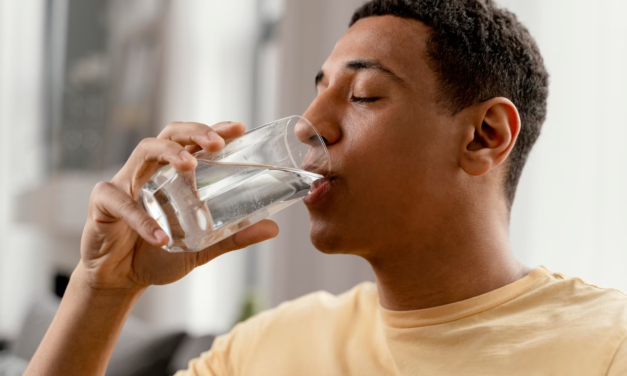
(99, 189)
(144, 146)
(170, 127)
(203, 127)
(173, 124)
(145, 143)
(98, 199)
(195, 129)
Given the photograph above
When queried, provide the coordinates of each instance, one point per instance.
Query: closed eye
(364, 99)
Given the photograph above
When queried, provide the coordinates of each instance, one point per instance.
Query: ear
(490, 135)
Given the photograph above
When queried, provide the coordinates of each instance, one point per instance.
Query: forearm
(82, 336)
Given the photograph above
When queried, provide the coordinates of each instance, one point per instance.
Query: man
(429, 109)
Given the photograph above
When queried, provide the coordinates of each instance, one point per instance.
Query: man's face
(393, 148)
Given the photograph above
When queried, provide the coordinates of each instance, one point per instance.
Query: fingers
(256, 233)
(174, 146)
(110, 204)
(154, 150)
(229, 129)
(194, 135)
(150, 155)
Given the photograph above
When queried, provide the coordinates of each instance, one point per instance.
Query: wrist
(87, 281)
(85, 329)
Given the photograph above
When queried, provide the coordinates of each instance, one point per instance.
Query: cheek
(391, 170)
(382, 144)
(397, 161)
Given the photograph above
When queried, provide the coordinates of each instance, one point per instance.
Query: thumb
(110, 204)
(256, 233)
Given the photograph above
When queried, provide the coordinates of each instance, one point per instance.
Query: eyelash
(364, 100)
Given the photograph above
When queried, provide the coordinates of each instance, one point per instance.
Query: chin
(335, 239)
(327, 239)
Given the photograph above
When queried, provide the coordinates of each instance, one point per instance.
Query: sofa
(141, 350)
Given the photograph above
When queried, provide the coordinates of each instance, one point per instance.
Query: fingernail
(160, 235)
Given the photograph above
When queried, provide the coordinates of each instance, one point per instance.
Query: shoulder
(312, 314)
(309, 309)
(577, 303)
(279, 335)
(363, 294)
(583, 299)
(576, 314)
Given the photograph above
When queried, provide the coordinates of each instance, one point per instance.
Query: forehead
(398, 43)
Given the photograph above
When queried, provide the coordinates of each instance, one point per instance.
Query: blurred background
(82, 81)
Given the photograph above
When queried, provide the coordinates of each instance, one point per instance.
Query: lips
(319, 189)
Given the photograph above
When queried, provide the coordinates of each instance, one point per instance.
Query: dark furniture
(141, 349)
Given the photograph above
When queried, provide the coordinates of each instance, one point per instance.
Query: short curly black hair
(480, 51)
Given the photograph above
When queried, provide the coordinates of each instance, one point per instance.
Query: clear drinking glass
(266, 170)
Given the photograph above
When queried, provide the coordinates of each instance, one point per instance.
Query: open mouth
(319, 189)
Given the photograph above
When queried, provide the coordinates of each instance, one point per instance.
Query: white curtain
(571, 210)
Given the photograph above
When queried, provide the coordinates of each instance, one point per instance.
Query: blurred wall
(571, 211)
(293, 267)
(24, 263)
(224, 62)
(207, 83)
(209, 75)
(261, 70)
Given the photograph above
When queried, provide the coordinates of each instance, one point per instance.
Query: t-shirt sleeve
(618, 367)
(229, 352)
(212, 362)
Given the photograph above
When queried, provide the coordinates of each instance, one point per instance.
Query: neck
(459, 263)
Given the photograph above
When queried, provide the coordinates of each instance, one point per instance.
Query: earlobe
(491, 135)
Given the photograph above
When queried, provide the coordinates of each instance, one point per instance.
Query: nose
(323, 113)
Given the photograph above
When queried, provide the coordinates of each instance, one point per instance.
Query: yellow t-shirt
(543, 324)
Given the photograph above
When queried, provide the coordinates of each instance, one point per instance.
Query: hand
(120, 246)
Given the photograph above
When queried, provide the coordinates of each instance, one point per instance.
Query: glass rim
(324, 146)
(286, 120)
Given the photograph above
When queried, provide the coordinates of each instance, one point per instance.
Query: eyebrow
(362, 64)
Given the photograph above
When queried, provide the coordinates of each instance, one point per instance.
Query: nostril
(314, 137)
